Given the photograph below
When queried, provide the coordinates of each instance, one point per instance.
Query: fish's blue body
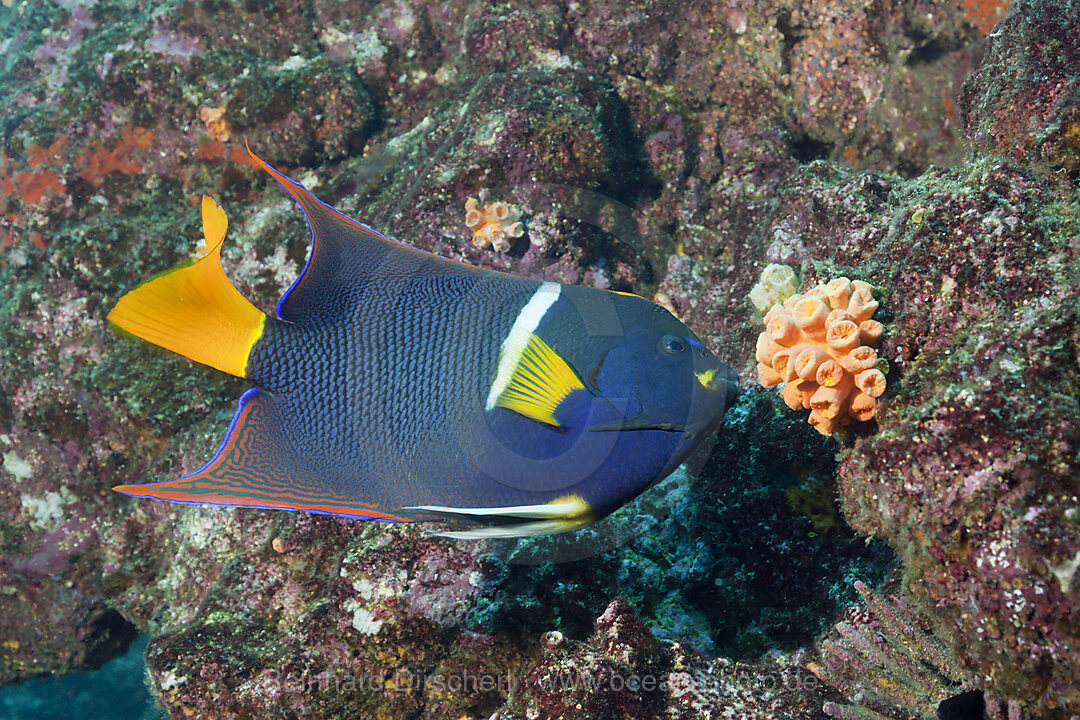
(398, 385)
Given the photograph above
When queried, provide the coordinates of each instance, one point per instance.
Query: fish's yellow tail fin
(193, 309)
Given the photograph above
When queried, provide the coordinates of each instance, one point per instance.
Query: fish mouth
(637, 423)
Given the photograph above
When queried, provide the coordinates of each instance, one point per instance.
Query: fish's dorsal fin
(256, 467)
(346, 257)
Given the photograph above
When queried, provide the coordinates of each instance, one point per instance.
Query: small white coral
(495, 223)
(364, 620)
(170, 680)
(47, 511)
(19, 468)
(776, 284)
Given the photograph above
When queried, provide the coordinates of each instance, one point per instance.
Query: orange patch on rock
(32, 185)
(214, 150)
(984, 14)
(238, 155)
(29, 186)
(137, 137)
(37, 155)
(99, 160)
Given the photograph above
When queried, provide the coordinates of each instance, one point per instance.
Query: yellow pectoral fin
(539, 382)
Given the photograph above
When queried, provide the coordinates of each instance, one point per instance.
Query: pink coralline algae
(621, 672)
(1022, 101)
(823, 346)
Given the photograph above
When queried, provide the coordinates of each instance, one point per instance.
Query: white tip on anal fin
(517, 530)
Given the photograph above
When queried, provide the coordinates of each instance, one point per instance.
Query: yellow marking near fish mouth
(706, 379)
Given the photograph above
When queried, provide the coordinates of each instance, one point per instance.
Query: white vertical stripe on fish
(514, 344)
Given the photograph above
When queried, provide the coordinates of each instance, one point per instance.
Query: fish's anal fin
(537, 383)
(193, 309)
(563, 514)
(255, 467)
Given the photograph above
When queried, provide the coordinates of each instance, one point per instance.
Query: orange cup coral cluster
(496, 223)
(216, 122)
(823, 345)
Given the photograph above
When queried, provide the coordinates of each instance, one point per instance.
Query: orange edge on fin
(305, 197)
(143, 491)
(284, 180)
(230, 478)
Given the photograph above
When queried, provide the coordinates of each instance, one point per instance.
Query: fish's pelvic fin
(193, 309)
(256, 467)
(515, 530)
(563, 514)
(537, 383)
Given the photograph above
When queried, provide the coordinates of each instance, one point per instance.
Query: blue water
(116, 691)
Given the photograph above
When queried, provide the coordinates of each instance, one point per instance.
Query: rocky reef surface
(669, 149)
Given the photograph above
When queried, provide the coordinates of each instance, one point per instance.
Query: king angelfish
(397, 385)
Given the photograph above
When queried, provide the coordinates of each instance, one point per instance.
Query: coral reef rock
(622, 673)
(668, 149)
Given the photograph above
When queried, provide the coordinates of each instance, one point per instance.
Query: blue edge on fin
(247, 397)
(251, 393)
(311, 227)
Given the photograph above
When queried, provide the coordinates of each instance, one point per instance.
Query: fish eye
(671, 345)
